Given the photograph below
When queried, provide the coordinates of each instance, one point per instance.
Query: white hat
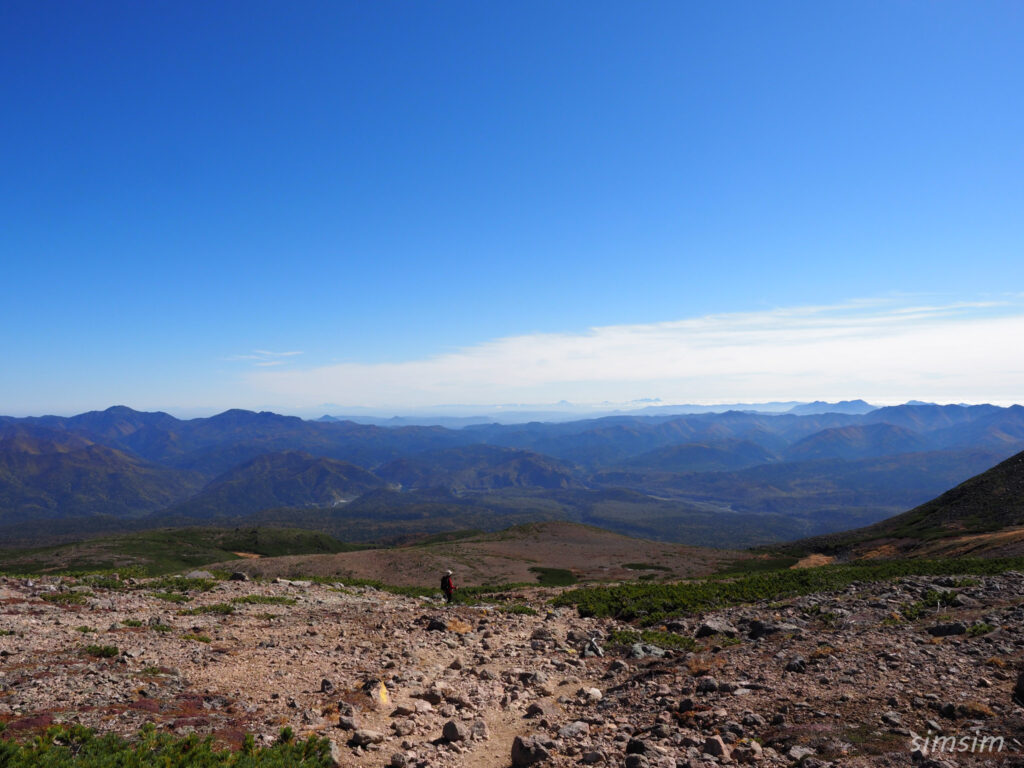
(449, 572)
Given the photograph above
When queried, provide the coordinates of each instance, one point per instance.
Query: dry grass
(458, 626)
(977, 710)
(701, 665)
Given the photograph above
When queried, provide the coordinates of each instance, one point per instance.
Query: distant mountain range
(814, 469)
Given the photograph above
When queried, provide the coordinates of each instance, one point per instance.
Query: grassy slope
(991, 501)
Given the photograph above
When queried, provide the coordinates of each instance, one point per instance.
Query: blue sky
(423, 201)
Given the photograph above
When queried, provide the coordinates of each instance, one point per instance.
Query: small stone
(636, 747)
(946, 630)
(591, 694)
(637, 761)
(797, 664)
(716, 627)
(1018, 690)
(574, 730)
(326, 686)
(365, 736)
(707, 685)
(748, 752)
(337, 757)
(479, 731)
(238, 576)
(455, 731)
(715, 747)
(798, 753)
(539, 709)
(528, 751)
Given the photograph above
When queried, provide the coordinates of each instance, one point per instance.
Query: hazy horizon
(453, 411)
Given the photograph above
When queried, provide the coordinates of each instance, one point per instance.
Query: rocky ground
(859, 677)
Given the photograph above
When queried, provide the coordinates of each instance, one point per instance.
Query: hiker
(447, 586)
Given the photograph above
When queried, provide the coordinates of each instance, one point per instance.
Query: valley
(733, 479)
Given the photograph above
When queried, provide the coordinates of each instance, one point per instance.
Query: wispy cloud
(263, 357)
(882, 349)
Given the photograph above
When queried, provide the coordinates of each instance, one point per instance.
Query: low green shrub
(650, 603)
(79, 747)
(101, 651)
(181, 584)
(652, 637)
(104, 581)
(64, 598)
(554, 577)
(171, 597)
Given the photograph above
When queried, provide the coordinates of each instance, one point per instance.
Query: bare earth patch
(507, 556)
